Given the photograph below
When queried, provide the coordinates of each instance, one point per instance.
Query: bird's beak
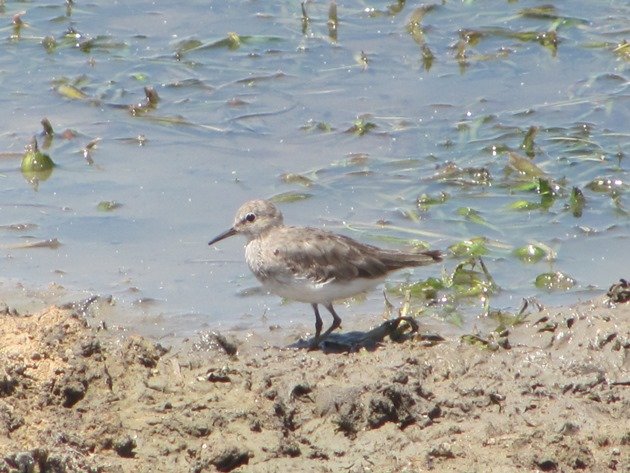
(223, 236)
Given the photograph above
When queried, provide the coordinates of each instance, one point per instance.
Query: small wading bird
(312, 265)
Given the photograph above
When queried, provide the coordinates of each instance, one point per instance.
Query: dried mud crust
(74, 399)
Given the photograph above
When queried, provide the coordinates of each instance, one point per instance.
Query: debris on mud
(73, 398)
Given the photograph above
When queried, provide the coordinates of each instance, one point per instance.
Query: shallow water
(235, 116)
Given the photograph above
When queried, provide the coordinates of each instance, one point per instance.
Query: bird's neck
(263, 233)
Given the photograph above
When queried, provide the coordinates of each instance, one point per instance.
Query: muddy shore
(552, 395)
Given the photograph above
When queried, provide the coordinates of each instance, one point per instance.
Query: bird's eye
(250, 217)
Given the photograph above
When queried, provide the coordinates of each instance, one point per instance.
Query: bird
(312, 265)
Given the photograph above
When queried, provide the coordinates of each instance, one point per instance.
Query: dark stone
(290, 450)
(89, 347)
(231, 458)
(350, 415)
(219, 378)
(72, 393)
(7, 385)
(229, 347)
(394, 404)
(144, 351)
(380, 411)
(300, 390)
(547, 465)
(125, 446)
(286, 415)
(23, 462)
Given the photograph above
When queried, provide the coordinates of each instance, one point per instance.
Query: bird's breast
(282, 279)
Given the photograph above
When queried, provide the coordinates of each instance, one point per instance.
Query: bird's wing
(322, 256)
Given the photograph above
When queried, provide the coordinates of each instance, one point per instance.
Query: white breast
(304, 290)
(279, 279)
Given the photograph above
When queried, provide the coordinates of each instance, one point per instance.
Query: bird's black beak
(223, 236)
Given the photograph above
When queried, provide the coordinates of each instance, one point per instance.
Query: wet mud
(554, 396)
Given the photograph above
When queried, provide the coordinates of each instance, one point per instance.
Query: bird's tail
(399, 259)
(436, 255)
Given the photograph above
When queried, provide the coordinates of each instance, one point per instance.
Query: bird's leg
(318, 323)
(336, 320)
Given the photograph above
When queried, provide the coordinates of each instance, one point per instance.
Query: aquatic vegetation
(451, 173)
(288, 197)
(36, 166)
(414, 23)
(622, 50)
(467, 281)
(333, 21)
(312, 125)
(577, 201)
(292, 178)
(471, 215)
(425, 201)
(69, 91)
(528, 141)
(467, 248)
(361, 127)
(531, 253)
(151, 101)
(524, 166)
(545, 188)
(50, 44)
(108, 206)
(232, 42)
(606, 184)
(554, 281)
(493, 132)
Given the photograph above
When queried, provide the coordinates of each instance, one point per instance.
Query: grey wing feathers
(399, 259)
(321, 256)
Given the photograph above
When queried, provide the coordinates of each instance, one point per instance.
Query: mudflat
(552, 395)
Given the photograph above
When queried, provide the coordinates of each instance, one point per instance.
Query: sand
(552, 394)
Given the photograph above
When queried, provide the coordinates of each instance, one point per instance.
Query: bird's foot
(314, 345)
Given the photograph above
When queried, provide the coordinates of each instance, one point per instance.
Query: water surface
(366, 106)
